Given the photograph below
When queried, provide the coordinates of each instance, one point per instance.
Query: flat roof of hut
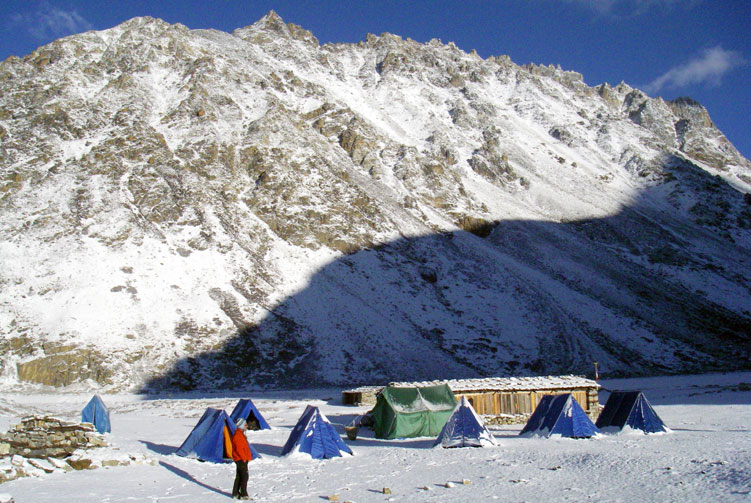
(537, 383)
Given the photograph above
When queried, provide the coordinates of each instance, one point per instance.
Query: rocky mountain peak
(691, 110)
(272, 21)
(146, 25)
(273, 26)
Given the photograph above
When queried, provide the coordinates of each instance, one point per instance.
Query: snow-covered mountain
(192, 208)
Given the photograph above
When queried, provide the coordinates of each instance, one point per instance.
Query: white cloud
(50, 22)
(629, 8)
(707, 68)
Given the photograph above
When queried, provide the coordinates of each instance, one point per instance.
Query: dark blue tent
(247, 410)
(632, 409)
(314, 435)
(209, 439)
(97, 414)
(464, 428)
(560, 415)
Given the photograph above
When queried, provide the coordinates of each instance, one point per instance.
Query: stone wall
(41, 445)
(48, 437)
(593, 413)
(505, 419)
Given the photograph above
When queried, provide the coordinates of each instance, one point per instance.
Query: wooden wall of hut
(495, 403)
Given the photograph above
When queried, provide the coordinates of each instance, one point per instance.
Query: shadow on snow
(187, 476)
(164, 450)
(662, 287)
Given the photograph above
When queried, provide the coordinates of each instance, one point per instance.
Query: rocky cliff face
(195, 208)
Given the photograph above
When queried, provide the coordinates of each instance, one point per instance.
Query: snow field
(705, 458)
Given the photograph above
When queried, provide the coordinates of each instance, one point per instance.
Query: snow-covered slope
(196, 208)
(704, 459)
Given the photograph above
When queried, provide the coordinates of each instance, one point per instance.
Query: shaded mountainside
(532, 297)
(190, 209)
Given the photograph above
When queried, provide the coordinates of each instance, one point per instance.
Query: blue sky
(671, 48)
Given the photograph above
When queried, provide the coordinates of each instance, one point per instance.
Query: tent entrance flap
(247, 410)
(227, 444)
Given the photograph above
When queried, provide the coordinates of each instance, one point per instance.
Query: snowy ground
(707, 457)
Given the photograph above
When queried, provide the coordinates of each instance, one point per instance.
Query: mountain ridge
(196, 182)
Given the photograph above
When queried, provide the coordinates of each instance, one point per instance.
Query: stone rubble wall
(48, 437)
(39, 445)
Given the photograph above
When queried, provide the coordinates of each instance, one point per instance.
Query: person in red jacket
(240, 455)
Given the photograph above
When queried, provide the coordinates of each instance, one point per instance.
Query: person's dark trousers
(241, 479)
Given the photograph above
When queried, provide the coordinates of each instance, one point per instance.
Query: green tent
(412, 412)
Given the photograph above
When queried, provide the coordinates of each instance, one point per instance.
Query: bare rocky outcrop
(65, 367)
(494, 165)
(698, 137)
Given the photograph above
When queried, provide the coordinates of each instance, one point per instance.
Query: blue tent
(247, 410)
(632, 409)
(314, 435)
(97, 414)
(559, 415)
(464, 428)
(210, 439)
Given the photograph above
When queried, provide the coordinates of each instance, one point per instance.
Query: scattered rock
(45, 466)
(60, 464)
(428, 274)
(561, 134)
(80, 463)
